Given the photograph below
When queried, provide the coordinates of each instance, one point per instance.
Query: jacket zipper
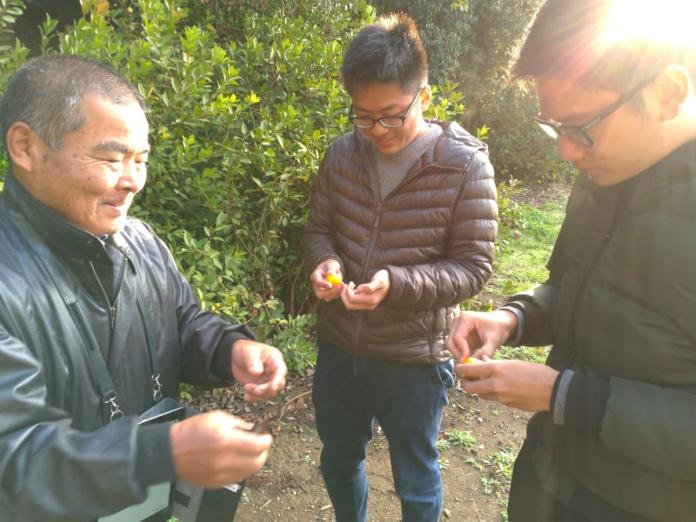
(378, 217)
(370, 248)
(368, 255)
(119, 283)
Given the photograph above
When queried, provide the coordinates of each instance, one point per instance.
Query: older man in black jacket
(96, 322)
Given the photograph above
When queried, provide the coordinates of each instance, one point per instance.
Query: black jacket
(60, 457)
(619, 308)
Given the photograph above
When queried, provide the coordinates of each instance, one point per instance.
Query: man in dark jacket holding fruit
(400, 231)
(96, 322)
(613, 436)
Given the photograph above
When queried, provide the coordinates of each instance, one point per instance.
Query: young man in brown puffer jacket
(404, 213)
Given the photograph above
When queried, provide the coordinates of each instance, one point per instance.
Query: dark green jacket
(620, 305)
(60, 458)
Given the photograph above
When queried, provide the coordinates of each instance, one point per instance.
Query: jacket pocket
(445, 373)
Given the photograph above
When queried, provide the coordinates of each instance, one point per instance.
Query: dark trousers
(407, 400)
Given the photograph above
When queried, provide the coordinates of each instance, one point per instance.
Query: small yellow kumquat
(334, 279)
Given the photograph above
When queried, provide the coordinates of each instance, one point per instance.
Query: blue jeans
(407, 399)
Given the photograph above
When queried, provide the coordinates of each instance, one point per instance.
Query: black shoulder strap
(99, 368)
(69, 297)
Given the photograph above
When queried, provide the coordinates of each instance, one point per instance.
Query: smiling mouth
(118, 205)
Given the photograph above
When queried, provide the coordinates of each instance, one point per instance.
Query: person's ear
(22, 146)
(672, 87)
(426, 96)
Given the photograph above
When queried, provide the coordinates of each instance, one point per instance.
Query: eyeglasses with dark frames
(578, 133)
(389, 122)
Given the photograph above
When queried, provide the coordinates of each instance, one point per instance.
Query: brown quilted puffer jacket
(433, 233)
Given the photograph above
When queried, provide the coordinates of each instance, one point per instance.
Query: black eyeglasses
(389, 122)
(578, 133)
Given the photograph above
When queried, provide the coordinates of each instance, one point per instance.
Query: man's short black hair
(387, 51)
(46, 93)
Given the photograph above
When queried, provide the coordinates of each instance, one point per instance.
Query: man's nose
(568, 150)
(378, 129)
(133, 175)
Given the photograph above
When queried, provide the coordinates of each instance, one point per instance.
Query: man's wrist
(238, 343)
(222, 358)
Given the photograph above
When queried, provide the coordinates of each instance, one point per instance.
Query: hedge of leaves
(241, 113)
(473, 43)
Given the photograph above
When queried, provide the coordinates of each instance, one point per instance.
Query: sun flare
(667, 21)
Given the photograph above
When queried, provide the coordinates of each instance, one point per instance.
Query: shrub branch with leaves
(241, 115)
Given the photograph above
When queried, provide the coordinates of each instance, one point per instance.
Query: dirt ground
(479, 441)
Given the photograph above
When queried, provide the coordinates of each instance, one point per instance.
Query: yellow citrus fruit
(471, 360)
(334, 279)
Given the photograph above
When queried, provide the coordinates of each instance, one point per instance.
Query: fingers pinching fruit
(468, 362)
(334, 279)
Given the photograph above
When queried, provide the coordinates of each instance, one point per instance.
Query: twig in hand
(282, 410)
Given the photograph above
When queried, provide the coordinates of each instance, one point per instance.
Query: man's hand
(519, 384)
(259, 367)
(322, 288)
(477, 334)
(214, 449)
(366, 296)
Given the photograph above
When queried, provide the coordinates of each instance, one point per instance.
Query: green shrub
(519, 149)
(12, 54)
(241, 110)
(472, 43)
(238, 129)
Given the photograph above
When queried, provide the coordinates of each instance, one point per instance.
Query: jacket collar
(679, 163)
(682, 159)
(64, 238)
(445, 152)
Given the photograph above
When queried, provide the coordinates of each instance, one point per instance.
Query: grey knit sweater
(393, 168)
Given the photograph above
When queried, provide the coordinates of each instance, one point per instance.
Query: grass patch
(535, 354)
(462, 438)
(526, 249)
(442, 445)
(498, 468)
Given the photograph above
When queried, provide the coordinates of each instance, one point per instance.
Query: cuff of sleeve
(395, 294)
(559, 396)
(323, 258)
(222, 359)
(586, 403)
(154, 463)
(519, 332)
(536, 327)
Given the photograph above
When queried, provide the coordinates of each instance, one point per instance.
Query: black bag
(186, 502)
